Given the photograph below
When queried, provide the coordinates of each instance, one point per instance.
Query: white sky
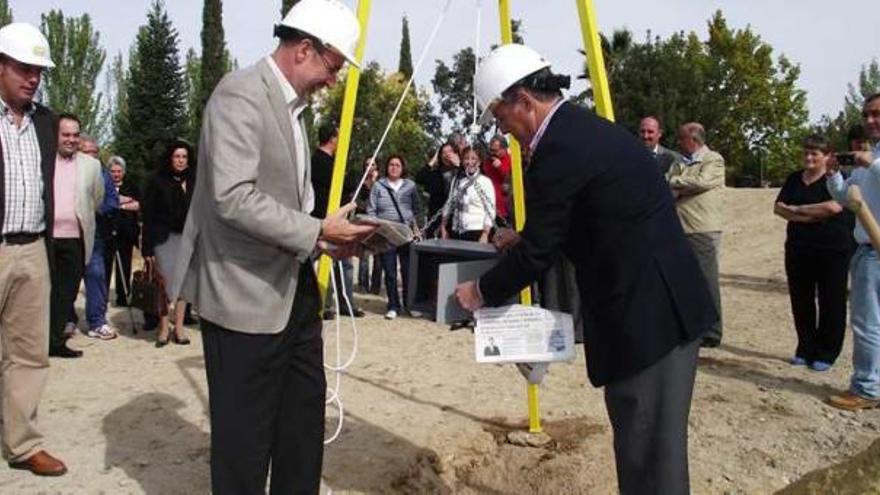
(830, 40)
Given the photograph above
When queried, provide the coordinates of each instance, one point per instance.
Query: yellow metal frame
(595, 59)
(604, 107)
(346, 124)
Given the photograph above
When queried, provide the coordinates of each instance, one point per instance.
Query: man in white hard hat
(245, 258)
(28, 137)
(593, 192)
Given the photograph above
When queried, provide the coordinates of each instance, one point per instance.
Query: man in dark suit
(28, 146)
(650, 131)
(593, 193)
(322, 178)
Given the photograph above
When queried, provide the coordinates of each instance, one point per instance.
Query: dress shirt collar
(6, 112)
(66, 161)
(543, 128)
(296, 104)
(697, 156)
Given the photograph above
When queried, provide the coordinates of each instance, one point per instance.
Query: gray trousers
(706, 246)
(649, 415)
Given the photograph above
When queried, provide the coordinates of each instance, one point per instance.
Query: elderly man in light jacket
(697, 184)
(79, 190)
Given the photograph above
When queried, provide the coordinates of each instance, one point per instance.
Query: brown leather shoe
(852, 402)
(41, 464)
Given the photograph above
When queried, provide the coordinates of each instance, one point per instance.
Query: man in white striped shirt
(28, 137)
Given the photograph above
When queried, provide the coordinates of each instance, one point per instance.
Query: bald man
(650, 131)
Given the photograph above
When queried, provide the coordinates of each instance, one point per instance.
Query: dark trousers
(818, 276)
(706, 246)
(266, 397)
(649, 415)
(389, 266)
(469, 235)
(122, 270)
(67, 272)
(369, 279)
(342, 277)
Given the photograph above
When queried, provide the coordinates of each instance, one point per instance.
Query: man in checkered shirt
(28, 138)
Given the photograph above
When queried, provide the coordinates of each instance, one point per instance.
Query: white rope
(403, 96)
(476, 62)
(340, 368)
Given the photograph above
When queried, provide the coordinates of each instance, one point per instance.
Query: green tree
(78, 56)
(748, 100)
(117, 96)
(412, 134)
(155, 95)
(194, 104)
(405, 66)
(214, 62)
(454, 85)
(5, 13)
(836, 128)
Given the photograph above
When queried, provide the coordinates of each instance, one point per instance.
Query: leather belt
(20, 238)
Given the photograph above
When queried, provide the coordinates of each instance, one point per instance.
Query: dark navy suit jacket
(595, 193)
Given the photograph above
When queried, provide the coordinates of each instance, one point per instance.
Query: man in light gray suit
(245, 258)
(650, 131)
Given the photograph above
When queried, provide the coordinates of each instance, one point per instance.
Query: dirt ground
(422, 417)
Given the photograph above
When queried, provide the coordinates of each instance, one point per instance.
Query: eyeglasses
(320, 50)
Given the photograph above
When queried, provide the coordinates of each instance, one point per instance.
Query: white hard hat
(503, 67)
(26, 44)
(328, 20)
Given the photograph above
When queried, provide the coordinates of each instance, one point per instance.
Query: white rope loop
(333, 394)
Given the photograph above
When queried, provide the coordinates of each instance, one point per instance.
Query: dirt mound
(554, 467)
(857, 476)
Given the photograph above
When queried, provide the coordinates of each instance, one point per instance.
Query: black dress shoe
(710, 343)
(63, 351)
(329, 315)
(357, 313)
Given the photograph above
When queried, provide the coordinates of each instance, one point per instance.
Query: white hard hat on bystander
(26, 44)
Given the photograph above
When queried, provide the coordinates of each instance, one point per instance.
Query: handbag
(148, 291)
(417, 233)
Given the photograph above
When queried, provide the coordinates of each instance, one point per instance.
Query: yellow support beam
(516, 175)
(595, 59)
(346, 125)
(534, 410)
(519, 212)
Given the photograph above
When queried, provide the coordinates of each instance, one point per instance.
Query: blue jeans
(96, 287)
(865, 310)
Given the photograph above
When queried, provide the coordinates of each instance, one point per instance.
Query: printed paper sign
(523, 334)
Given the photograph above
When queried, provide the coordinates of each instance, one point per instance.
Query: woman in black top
(166, 203)
(818, 246)
(436, 178)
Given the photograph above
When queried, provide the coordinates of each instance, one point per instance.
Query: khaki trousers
(24, 341)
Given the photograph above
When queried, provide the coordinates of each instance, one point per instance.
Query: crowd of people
(647, 231)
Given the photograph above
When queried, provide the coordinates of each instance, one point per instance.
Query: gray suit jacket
(246, 234)
(666, 158)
